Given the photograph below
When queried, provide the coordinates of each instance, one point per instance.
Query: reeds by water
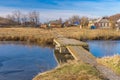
(43, 36)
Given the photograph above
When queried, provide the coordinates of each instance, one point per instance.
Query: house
(55, 24)
(103, 23)
(91, 23)
(44, 26)
(66, 24)
(4, 22)
(76, 23)
(118, 24)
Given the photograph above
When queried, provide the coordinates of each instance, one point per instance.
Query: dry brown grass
(112, 62)
(26, 34)
(46, 36)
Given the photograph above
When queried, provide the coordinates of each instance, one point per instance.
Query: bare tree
(24, 19)
(17, 16)
(34, 18)
(84, 21)
(74, 18)
(60, 20)
(11, 19)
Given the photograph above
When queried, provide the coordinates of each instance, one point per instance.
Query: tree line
(83, 21)
(32, 19)
(28, 19)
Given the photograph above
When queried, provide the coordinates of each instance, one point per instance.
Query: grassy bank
(112, 62)
(26, 34)
(72, 71)
(43, 36)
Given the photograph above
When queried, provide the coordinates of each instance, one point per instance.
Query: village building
(5, 22)
(103, 23)
(44, 26)
(55, 24)
(76, 23)
(91, 24)
(66, 24)
(118, 24)
(52, 24)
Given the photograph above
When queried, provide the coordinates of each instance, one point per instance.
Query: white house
(103, 23)
(118, 24)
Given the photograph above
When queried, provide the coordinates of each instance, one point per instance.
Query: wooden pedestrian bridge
(78, 49)
(80, 52)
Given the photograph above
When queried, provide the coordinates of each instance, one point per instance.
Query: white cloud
(45, 14)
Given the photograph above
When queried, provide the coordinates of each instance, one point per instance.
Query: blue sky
(54, 9)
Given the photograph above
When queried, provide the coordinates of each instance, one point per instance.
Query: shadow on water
(24, 43)
(10, 72)
(2, 59)
(62, 58)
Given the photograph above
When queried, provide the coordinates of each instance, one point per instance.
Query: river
(104, 48)
(20, 61)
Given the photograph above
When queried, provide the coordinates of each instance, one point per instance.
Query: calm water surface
(23, 62)
(104, 48)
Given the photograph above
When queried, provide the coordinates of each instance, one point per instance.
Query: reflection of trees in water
(62, 57)
(25, 43)
(45, 64)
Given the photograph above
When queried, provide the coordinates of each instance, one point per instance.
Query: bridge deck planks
(65, 42)
(80, 53)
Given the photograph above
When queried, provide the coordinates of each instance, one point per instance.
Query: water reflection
(104, 48)
(62, 58)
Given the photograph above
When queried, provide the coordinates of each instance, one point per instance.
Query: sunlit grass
(72, 71)
(45, 36)
(112, 62)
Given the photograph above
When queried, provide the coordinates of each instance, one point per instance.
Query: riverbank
(112, 62)
(43, 36)
(72, 71)
(81, 71)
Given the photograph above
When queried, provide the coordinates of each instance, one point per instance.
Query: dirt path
(82, 54)
(108, 73)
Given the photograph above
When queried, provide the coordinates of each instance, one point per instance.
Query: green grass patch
(72, 71)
